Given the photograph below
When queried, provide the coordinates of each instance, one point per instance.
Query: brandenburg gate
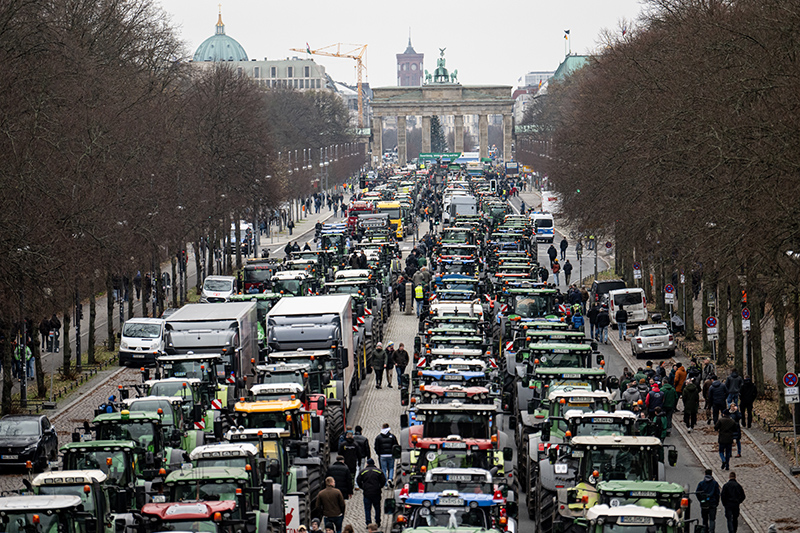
(441, 95)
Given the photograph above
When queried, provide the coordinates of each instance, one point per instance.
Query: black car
(600, 289)
(26, 438)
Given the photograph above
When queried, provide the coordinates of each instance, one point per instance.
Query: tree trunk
(198, 266)
(129, 291)
(175, 283)
(90, 359)
(703, 316)
(736, 317)
(8, 380)
(690, 336)
(779, 331)
(796, 332)
(158, 305)
(755, 336)
(659, 288)
(66, 346)
(111, 341)
(210, 246)
(722, 323)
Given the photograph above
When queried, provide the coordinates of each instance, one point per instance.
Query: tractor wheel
(334, 419)
(547, 507)
(304, 506)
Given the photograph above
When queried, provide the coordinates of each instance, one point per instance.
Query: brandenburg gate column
(508, 121)
(458, 134)
(426, 134)
(401, 140)
(483, 132)
(377, 141)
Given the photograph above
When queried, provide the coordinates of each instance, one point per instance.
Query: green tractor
(46, 514)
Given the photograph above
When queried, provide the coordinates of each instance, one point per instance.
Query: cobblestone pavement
(373, 407)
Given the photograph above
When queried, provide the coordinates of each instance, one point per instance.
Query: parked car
(600, 289)
(26, 438)
(653, 338)
(634, 301)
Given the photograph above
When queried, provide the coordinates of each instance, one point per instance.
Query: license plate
(654, 344)
(456, 394)
(138, 356)
(457, 477)
(458, 502)
(9, 457)
(452, 377)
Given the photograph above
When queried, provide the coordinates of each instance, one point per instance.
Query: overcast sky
(488, 42)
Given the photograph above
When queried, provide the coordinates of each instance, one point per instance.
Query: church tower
(410, 72)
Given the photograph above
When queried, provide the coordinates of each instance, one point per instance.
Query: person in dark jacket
(726, 429)
(603, 321)
(330, 503)
(389, 367)
(717, 395)
(622, 322)
(563, 245)
(747, 396)
(351, 453)
(655, 399)
(708, 495)
(401, 359)
(362, 260)
(736, 416)
(567, 268)
(691, 403)
(342, 475)
(734, 385)
(552, 253)
(378, 364)
(543, 274)
(592, 316)
(363, 445)
(732, 496)
(384, 447)
(371, 481)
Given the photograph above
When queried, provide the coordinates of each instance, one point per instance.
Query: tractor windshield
(532, 306)
(113, 463)
(442, 424)
(140, 431)
(632, 464)
(212, 489)
(264, 420)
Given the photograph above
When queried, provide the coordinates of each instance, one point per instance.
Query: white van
(634, 301)
(142, 340)
(218, 289)
(544, 224)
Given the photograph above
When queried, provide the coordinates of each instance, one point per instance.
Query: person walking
(567, 268)
(290, 225)
(680, 378)
(330, 504)
(342, 476)
(622, 322)
(552, 253)
(734, 385)
(670, 402)
(384, 449)
(717, 395)
(603, 321)
(732, 496)
(351, 454)
(726, 429)
(363, 445)
(556, 269)
(371, 481)
(563, 245)
(736, 416)
(543, 274)
(654, 399)
(708, 495)
(747, 396)
(401, 359)
(592, 316)
(378, 364)
(691, 404)
(389, 363)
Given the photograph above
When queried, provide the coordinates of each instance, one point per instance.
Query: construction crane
(351, 51)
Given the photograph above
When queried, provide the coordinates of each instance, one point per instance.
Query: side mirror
(700, 528)
(417, 344)
(512, 509)
(303, 451)
(512, 421)
(197, 413)
(343, 353)
(86, 427)
(326, 379)
(389, 506)
(508, 453)
(397, 451)
(552, 455)
(90, 525)
(594, 346)
(273, 470)
(599, 358)
(266, 492)
(316, 426)
(404, 421)
(545, 432)
(672, 457)
(124, 394)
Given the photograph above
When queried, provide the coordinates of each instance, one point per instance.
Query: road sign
(713, 336)
(637, 274)
(608, 244)
(669, 288)
(794, 398)
(711, 325)
(683, 279)
(745, 325)
(791, 391)
(669, 298)
(637, 265)
(746, 313)
(790, 379)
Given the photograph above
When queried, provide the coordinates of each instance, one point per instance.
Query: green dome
(220, 47)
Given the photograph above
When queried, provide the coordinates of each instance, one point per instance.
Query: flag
(308, 48)
(566, 34)
(540, 84)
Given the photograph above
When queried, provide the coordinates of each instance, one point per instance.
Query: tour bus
(395, 216)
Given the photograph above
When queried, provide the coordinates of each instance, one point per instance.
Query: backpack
(656, 400)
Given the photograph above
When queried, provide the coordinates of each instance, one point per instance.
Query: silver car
(653, 338)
